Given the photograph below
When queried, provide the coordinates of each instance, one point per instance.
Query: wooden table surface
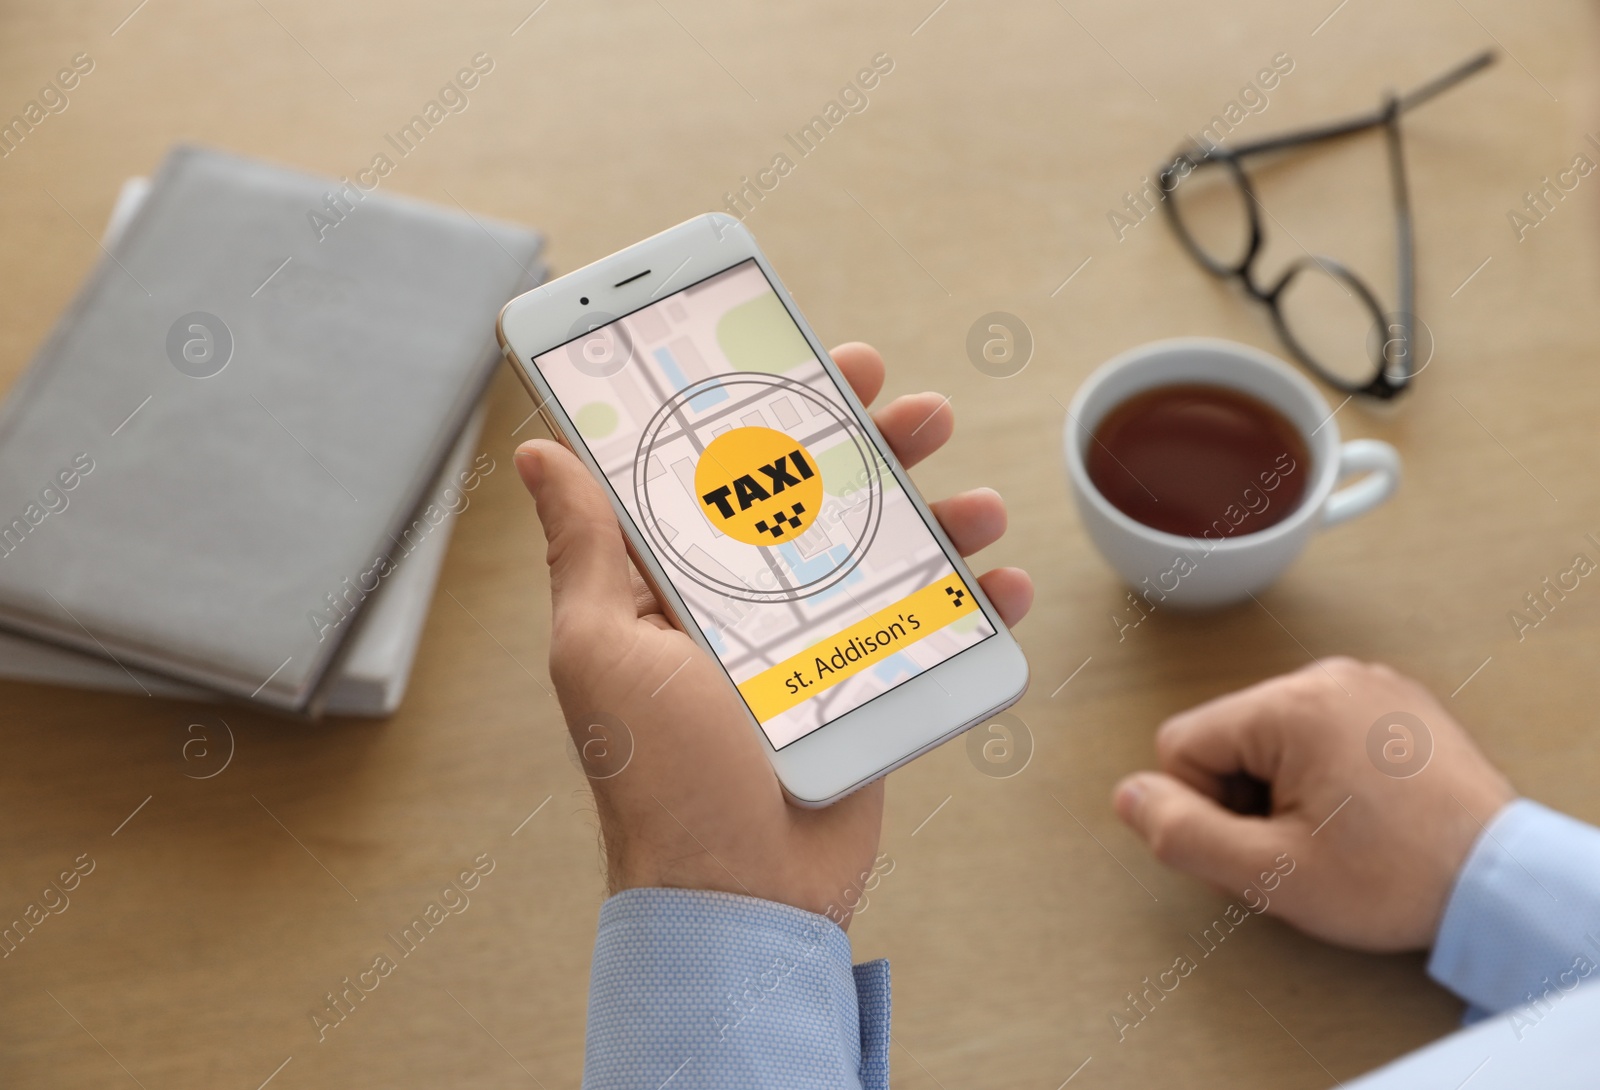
(980, 177)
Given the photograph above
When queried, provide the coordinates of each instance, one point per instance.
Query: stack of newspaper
(233, 467)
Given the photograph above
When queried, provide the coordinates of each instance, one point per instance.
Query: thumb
(589, 578)
(1191, 832)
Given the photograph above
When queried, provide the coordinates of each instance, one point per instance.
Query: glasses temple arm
(1443, 83)
(1329, 131)
(1362, 122)
(1404, 364)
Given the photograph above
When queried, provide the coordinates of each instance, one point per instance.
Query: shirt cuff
(694, 989)
(1523, 921)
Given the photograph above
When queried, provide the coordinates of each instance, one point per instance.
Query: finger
(973, 520)
(916, 425)
(589, 574)
(862, 367)
(1190, 832)
(645, 602)
(1010, 590)
(1240, 732)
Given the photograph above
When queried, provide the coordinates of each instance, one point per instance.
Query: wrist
(1520, 915)
(1471, 822)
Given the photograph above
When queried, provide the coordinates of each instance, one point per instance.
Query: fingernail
(1129, 794)
(529, 467)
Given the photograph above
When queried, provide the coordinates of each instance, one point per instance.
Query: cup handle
(1381, 465)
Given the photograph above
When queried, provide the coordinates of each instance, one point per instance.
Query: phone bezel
(872, 740)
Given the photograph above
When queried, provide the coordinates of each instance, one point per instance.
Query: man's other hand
(1375, 814)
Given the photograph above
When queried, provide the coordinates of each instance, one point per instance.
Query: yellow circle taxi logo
(758, 486)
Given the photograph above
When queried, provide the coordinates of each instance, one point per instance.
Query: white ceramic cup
(1170, 570)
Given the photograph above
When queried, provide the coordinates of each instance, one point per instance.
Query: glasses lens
(1331, 319)
(1212, 208)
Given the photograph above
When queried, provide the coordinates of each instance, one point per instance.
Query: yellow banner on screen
(862, 645)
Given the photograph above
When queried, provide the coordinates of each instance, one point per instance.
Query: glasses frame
(1393, 363)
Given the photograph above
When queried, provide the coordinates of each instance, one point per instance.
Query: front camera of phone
(583, 301)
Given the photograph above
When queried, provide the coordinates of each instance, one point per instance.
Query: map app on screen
(813, 576)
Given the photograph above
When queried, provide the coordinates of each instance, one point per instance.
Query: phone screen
(813, 576)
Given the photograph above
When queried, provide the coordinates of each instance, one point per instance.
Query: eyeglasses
(1319, 306)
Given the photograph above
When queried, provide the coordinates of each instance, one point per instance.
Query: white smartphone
(762, 505)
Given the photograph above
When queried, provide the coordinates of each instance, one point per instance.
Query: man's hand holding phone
(686, 794)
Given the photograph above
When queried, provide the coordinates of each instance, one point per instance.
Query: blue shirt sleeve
(1548, 1046)
(1522, 925)
(694, 990)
